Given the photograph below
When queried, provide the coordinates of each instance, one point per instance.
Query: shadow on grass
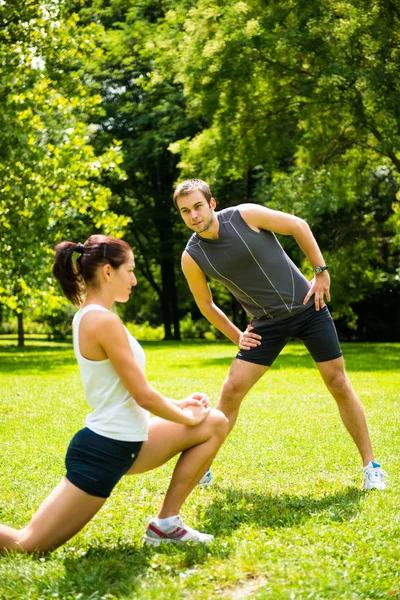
(235, 508)
(104, 571)
(35, 358)
(51, 355)
(119, 570)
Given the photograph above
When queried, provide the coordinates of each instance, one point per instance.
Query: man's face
(196, 212)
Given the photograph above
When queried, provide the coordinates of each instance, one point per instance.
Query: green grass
(287, 510)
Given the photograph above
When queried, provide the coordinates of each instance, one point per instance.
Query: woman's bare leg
(198, 446)
(68, 509)
(64, 512)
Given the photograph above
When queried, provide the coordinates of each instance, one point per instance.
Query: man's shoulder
(193, 238)
(226, 212)
(192, 241)
(238, 209)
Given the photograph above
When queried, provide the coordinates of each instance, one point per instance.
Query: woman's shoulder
(99, 316)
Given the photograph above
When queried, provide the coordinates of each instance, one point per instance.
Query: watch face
(318, 270)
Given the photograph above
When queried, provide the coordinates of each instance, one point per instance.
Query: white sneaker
(177, 533)
(206, 480)
(374, 477)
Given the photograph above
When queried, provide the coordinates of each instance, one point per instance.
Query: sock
(373, 464)
(165, 523)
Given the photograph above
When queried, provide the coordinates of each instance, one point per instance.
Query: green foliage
(307, 80)
(286, 508)
(200, 329)
(144, 108)
(146, 332)
(290, 104)
(49, 169)
(300, 103)
(59, 321)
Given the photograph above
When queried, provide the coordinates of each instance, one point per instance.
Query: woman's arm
(111, 336)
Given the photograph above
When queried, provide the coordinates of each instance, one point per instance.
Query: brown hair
(191, 185)
(96, 251)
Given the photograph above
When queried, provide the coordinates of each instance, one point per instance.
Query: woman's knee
(27, 542)
(219, 422)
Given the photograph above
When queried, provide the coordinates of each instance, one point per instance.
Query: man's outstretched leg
(241, 378)
(353, 416)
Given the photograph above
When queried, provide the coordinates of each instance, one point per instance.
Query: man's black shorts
(315, 328)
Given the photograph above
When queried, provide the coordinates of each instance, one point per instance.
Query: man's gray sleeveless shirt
(253, 266)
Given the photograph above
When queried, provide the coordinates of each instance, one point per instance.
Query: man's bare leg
(350, 408)
(241, 378)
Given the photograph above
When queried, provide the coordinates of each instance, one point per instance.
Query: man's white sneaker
(374, 477)
(206, 480)
(178, 533)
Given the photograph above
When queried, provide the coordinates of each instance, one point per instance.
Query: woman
(118, 438)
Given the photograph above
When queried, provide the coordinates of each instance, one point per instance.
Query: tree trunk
(175, 313)
(165, 304)
(169, 300)
(21, 335)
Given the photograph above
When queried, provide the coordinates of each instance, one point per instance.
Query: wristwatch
(318, 270)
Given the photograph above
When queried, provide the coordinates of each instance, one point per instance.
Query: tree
(145, 110)
(302, 99)
(48, 168)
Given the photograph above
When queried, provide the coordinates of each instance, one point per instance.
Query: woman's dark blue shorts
(96, 463)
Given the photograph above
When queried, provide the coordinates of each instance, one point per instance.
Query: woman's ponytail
(98, 250)
(67, 273)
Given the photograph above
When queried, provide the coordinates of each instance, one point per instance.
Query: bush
(30, 327)
(59, 322)
(194, 330)
(145, 331)
(8, 327)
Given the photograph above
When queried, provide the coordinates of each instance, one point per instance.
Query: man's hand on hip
(320, 285)
(248, 340)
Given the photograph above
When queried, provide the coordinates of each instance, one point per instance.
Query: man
(237, 246)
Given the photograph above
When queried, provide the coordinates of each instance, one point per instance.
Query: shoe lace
(190, 530)
(378, 472)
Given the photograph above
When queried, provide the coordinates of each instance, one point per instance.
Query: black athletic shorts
(314, 328)
(96, 463)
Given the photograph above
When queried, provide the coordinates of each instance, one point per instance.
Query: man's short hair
(191, 185)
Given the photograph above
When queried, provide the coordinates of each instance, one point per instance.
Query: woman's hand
(197, 414)
(195, 399)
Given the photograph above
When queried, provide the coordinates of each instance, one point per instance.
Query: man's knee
(337, 380)
(233, 387)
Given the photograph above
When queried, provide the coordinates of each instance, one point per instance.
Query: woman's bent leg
(198, 446)
(64, 512)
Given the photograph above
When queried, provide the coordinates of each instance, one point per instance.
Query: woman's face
(123, 279)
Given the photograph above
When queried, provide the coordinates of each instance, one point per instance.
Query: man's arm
(202, 294)
(260, 217)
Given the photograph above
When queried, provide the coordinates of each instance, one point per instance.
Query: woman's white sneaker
(178, 533)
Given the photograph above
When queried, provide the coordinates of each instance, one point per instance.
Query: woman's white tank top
(116, 415)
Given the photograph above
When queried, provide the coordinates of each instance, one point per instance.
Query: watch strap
(320, 269)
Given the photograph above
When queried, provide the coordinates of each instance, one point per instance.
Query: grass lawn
(286, 508)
